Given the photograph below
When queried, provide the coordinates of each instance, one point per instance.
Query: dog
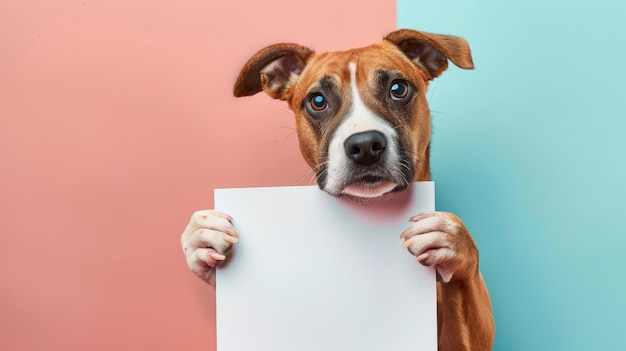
(363, 125)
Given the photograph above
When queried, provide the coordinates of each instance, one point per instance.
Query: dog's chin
(369, 190)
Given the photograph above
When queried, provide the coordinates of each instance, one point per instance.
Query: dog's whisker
(360, 200)
(432, 112)
(287, 137)
(287, 127)
(284, 111)
(386, 197)
(312, 172)
(405, 165)
(312, 178)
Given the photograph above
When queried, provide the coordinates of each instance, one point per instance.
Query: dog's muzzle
(371, 166)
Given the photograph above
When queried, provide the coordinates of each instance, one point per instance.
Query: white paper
(315, 272)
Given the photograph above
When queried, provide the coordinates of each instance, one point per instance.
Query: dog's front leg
(441, 240)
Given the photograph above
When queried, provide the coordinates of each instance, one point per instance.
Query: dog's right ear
(274, 70)
(432, 51)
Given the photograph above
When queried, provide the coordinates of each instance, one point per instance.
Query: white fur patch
(445, 274)
(359, 119)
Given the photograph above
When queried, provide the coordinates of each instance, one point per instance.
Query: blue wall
(529, 149)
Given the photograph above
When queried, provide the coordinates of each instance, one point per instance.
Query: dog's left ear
(432, 51)
(274, 69)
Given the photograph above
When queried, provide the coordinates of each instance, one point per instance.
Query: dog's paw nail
(415, 218)
(231, 239)
(224, 215)
(217, 256)
(405, 234)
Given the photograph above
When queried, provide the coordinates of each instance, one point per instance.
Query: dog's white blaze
(359, 119)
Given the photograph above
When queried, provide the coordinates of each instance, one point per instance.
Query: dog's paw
(205, 242)
(441, 240)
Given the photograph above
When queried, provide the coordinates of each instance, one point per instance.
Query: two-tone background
(117, 122)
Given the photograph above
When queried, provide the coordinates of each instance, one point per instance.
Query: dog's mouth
(366, 183)
(369, 190)
(369, 186)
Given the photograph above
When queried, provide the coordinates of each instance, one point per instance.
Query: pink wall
(116, 123)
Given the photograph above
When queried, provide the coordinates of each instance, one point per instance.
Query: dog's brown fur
(287, 72)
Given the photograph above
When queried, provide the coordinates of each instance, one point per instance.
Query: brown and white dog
(364, 126)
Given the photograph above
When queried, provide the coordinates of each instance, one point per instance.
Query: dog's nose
(365, 147)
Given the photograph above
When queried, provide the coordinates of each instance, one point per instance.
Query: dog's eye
(318, 102)
(399, 89)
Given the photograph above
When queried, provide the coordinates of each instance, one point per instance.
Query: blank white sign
(316, 272)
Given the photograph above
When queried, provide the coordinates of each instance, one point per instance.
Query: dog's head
(362, 118)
